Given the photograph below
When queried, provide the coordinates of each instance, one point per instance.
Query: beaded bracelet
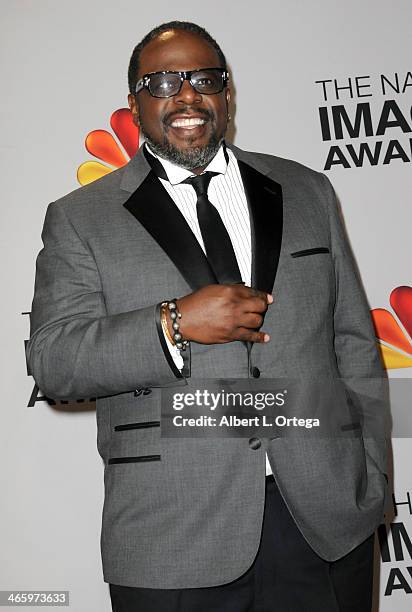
(175, 315)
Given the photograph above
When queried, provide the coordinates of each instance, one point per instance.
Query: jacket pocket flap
(313, 251)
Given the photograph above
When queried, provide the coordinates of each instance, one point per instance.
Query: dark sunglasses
(167, 83)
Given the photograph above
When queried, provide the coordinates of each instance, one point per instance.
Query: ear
(134, 107)
(228, 96)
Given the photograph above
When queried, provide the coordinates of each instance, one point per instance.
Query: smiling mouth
(188, 123)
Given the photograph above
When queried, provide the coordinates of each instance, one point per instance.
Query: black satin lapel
(265, 203)
(151, 205)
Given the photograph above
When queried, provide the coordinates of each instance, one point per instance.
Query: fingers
(256, 301)
(251, 320)
(249, 335)
(224, 313)
(265, 297)
(255, 304)
(246, 292)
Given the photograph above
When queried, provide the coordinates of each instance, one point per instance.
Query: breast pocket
(313, 251)
(310, 277)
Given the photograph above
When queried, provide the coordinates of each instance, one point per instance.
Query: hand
(217, 314)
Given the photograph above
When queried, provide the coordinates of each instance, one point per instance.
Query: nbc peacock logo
(103, 145)
(394, 330)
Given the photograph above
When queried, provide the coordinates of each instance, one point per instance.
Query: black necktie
(218, 246)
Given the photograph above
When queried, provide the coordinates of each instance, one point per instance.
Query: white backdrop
(63, 73)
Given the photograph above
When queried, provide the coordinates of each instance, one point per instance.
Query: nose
(187, 95)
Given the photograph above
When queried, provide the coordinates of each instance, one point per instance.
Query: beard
(189, 158)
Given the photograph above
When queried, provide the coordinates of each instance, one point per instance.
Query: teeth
(188, 122)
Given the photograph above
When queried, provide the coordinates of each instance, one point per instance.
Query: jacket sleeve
(357, 355)
(76, 350)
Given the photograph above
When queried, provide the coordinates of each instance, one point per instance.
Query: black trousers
(286, 576)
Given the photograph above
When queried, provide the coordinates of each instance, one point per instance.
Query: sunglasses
(165, 84)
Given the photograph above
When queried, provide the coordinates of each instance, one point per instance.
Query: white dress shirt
(227, 194)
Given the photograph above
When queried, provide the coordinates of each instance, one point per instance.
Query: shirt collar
(177, 174)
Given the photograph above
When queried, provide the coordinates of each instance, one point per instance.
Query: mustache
(187, 110)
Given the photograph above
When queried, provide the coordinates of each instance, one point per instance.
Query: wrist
(171, 318)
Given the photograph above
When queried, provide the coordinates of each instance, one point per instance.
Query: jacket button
(255, 443)
(255, 372)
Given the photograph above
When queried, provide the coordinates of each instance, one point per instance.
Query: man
(266, 287)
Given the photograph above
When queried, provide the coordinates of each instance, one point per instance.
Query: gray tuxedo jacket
(182, 513)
